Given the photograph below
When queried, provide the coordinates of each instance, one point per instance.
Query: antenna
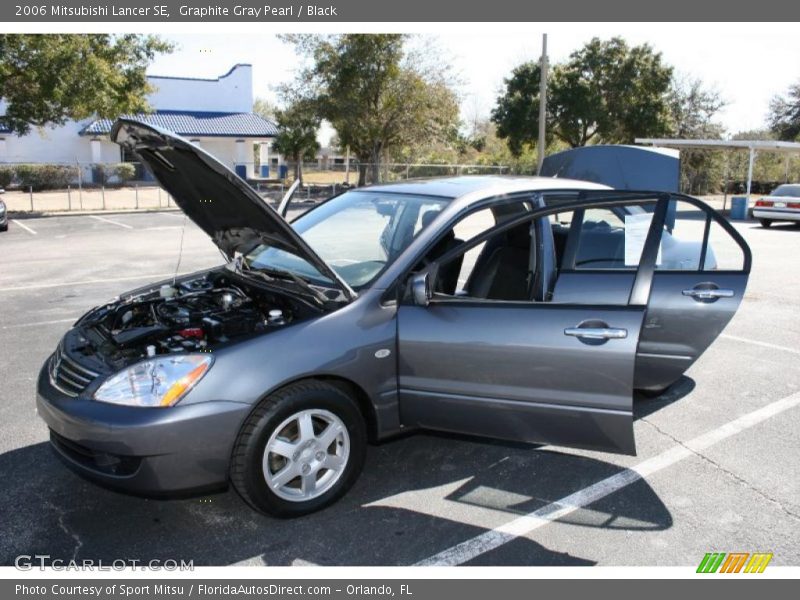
(180, 251)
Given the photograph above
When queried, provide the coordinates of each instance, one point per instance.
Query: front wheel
(765, 223)
(300, 450)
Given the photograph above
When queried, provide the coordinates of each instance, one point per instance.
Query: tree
(265, 109)
(693, 108)
(48, 79)
(606, 92)
(297, 132)
(784, 114)
(377, 95)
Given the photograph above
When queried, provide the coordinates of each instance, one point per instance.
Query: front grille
(67, 375)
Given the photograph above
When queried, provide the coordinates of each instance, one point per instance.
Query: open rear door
(698, 282)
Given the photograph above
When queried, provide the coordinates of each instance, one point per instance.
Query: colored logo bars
(734, 562)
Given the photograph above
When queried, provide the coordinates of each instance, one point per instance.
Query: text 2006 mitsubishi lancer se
(528, 309)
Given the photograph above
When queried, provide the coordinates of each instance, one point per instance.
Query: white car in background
(783, 204)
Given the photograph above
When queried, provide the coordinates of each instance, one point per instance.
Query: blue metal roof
(196, 123)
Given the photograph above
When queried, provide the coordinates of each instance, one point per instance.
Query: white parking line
(117, 223)
(736, 338)
(39, 286)
(494, 538)
(39, 323)
(25, 227)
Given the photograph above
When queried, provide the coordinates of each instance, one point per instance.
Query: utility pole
(542, 105)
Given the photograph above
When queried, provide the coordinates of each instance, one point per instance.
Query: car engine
(192, 315)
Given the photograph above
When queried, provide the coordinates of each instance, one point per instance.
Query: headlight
(159, 381)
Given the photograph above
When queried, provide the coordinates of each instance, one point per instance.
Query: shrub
(123, 171)
(6, 175)
(44, 177)
(113, 173)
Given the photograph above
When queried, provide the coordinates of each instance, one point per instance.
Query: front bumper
(777, 214)
(144, 451)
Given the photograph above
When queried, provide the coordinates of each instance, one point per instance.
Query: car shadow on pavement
(787, 227)
(417, 496)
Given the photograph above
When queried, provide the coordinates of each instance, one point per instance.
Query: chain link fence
(62, 187)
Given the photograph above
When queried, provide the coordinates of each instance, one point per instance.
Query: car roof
(456, 187)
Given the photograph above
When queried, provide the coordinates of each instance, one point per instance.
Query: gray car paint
(491, 378)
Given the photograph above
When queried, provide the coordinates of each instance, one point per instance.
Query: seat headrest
(519, 236)
(429, 215)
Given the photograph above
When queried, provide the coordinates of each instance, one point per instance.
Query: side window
(497, 269)
(683, 239)
(601, 238)
(454, 274)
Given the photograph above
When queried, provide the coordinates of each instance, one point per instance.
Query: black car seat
(503, 274)
(543, 258)
(447, 278)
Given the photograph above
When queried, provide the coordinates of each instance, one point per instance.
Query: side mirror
(421, 289)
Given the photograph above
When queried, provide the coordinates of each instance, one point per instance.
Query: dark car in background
(3, 213)
(527, 309)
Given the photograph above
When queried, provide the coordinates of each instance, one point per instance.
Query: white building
(217, 114)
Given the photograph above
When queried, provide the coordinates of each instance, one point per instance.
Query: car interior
(510, 267)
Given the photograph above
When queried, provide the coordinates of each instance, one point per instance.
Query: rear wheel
(765, 222)
(300, 450)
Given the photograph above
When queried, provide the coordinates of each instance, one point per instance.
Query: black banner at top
(277, 11)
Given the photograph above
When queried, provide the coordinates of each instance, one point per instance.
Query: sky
(746, 63)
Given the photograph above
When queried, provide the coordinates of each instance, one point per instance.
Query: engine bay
(191, 315)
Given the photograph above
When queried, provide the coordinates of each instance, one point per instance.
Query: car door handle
(597, 333)
(708, 294)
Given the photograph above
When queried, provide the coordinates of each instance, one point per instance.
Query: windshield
(357, 234)
(787, 190)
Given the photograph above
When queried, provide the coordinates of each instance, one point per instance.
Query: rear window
(787, 190)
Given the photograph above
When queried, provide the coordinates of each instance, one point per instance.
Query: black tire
(4, 227)
(765, 223)
(247, 474)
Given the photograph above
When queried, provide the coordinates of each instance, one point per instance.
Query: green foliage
(784, 114)
(769, 168)
(7, 173)
(297, 132)
(517, 112)
(43, 176)
(606, 92)
(379, 97)
(116, 172)
(693, 108)
(48, 79)
(265, 109)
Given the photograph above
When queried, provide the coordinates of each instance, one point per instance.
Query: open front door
(479, 362)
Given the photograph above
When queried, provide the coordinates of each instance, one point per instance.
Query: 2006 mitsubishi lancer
(527, 309)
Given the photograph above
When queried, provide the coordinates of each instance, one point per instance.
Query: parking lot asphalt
(717, 467)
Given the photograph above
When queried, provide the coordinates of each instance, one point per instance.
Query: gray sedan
(527, 309)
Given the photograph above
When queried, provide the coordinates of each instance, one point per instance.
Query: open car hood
(223, 205)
